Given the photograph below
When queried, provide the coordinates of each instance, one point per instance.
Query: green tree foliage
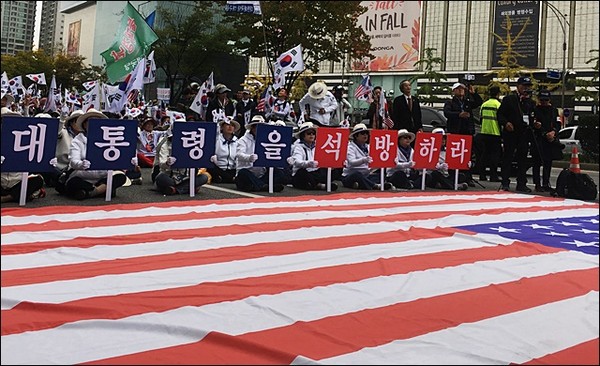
(70, 71)
(587, 86)
(327, 31)
(427, 93)
(190, 39)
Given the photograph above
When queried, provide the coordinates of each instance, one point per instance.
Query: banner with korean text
(111, 143)
(28, 143)
(458, 151)
(427, 150)
(383, 148)
(331, 147)
(273, 145)
(194, 144)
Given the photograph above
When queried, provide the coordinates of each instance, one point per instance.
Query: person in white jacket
(306, 173)
(248, 177)
(403, 175)
(223, 161)
(85, 182)
(318, 104)
(356, 173)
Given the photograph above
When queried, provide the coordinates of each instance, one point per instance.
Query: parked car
(432, 118)
(569, 136)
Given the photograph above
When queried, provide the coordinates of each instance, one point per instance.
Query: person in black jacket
(459, 109)
(545, 129)
(406, 110)
(220, 105)
(515, 117)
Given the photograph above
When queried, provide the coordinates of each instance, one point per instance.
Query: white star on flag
(536, 226)
(554, 233)
(582, 243)
(587, 231)
(501, 229)
(565, 223)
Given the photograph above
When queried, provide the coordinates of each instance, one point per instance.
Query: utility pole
(562, 20)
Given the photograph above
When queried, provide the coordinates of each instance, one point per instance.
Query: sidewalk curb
(565, 164)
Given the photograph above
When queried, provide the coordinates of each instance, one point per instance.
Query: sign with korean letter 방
(111, 143)
(383, 148)
(28, 144)
(331, 147)
(427, 150)
(194, 144)
(273, 145)
(458, 151)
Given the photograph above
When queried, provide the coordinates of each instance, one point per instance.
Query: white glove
(213, 159)
(2, 159)
(470, 164)
(253, 158)
(291, 160)
(444, 166)
(134, 161)
(171, 160)
(346, 164)
(85, 164)
(53, 161)
(313, 164)
(412, 164)
(368, 159)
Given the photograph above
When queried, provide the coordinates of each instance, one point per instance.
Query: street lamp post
(562, 23)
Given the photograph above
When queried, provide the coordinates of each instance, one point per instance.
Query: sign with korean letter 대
(331, 147)
(458, 151)
(427, 150)
(273, 145)
(383, 148)
(193, 144)
(111, 143)
(28, 144)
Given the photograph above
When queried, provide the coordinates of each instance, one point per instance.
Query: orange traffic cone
(574, 165)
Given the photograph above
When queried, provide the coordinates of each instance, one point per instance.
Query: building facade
(17, 26)
(52, 27)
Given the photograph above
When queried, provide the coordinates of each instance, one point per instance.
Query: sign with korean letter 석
(331, 147)
(427, 150)
(458, 151)
(28, 144)
(193, 144)
(273, 145)
(383, 148)
(111, 143)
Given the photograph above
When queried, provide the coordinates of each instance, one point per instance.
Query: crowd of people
(510, 129)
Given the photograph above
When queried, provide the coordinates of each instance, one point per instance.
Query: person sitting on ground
(85, 183)
(403, 175)
(250, 178)
(306, 173)
(440, 177)
(356, 173)
(223, 168)
(147, 141)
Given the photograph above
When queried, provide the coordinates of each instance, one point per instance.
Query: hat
(255, 120)
(317, 90)
(544, 95)
(524, 80)
(305, 127)
(458, 85)
(43, 115)
(221, 88)
(439, 130)
(73, 115)
(229, 121)
(7, 112)
(246, 91)
(405, 132)
(149, 119)
(279, 123)
(91, 113)
(359, 128)
(9, 99)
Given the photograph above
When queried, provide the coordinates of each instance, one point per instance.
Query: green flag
(132, 43)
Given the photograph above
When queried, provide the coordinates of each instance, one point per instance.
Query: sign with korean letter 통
(111, 143)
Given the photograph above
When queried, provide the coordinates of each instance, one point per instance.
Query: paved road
(145, 193)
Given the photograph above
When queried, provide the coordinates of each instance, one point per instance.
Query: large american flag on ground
(349, 278)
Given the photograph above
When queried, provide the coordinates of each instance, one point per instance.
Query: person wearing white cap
(220, 104)
(403, 175)
(356, 173)
(318, 104)
(459, 110)
(250, 178)
(223, 168)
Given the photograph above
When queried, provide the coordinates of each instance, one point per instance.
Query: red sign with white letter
(427, 150)
(383, 148)
(331, 147)
(458, 151)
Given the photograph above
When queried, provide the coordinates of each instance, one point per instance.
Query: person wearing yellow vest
(490, 137)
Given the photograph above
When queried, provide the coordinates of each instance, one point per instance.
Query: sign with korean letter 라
(194, 144)
(458, 151)
(111, 143)
(273, 145)
(28, 144)
(331, 147)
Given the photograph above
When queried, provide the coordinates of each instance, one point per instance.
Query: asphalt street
(146, 193)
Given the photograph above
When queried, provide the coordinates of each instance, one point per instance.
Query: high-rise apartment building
(17, 26)
(51, 27)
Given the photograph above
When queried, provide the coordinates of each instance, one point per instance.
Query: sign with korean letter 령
(458, 151)
(111, 143)
(383, 148)
(273, 145)
(28, 144)
(331, 147)
(427, 150)
(194, 144)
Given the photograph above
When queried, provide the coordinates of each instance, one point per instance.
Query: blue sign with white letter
(194, 144)
(28, 144)
(111, 143)
(273, 145)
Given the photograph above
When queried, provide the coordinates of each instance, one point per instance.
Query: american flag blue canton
(580, 233)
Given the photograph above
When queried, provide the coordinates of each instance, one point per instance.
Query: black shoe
(483, 178)
(495, 179)
(505, 188)
(334, 187)
(387, 186)
(278, 187)
(539, 188)
(81, 194)
(471, 183)
(547, 188)
(523, 189)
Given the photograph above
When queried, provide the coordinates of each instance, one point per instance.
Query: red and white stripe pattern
(360, 278)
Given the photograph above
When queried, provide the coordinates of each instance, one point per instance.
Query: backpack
(576, 185)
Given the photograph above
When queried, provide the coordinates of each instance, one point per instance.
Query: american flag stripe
(344, 278)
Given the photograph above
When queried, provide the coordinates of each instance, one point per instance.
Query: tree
(190, 38)
(584, 92)
(327, 31)
(428, 92)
